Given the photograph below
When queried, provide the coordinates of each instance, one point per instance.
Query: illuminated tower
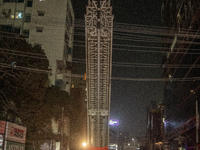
(98, 33)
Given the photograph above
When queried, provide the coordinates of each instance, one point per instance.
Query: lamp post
(84, 145)
(134, 143)
(197, 120)
(197, 124)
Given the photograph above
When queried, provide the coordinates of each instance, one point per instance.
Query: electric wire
(82, 76)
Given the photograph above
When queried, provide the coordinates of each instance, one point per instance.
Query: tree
(23, 81)
(25, 96)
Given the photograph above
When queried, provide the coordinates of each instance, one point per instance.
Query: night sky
(130, 99)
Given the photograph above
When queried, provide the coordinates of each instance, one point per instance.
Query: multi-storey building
(155, 126)
(79, 129)
(48, 23)
(181, 60)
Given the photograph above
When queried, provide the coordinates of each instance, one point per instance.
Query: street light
(84, 144)
(134, 142)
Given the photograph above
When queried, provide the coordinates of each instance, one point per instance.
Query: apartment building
(48, 23)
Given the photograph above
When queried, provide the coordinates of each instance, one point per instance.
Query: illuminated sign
(113, 122)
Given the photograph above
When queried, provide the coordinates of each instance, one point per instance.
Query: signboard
(1, 142)
(15, 133)
(113, 122)
(13, 146)
(2, 127)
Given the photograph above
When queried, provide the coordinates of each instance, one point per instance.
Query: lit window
(19, 14)
(7, 13)
(40, 13)
(39, 29)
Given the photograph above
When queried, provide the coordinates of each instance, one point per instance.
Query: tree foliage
(23, 78)
(25, 97)
(22, 90)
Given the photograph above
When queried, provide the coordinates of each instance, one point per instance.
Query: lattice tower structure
(98, 35)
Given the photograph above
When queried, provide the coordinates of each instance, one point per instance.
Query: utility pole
(62, 128)
(197, 124)
(197, 119)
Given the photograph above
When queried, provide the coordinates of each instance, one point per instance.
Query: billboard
(15, 133)
(113, 122)
(2, 127)
(13, 146)
(1, 141)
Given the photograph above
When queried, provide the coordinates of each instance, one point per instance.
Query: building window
(25, 33)
(40, 13)
(70, 51)
(39, 29)
(9, 0)
(27, 17)
(29, 3)
(18, 14)
(7, 13)
(59, 83)
(20, 1)
(6, 28)
(16, 30)
(37, 45)
(60, 66)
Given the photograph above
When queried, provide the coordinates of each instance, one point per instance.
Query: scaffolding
(98, 33)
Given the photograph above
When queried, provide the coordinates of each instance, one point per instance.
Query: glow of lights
(129, 144)
(113, 122)
(20, 15)
(84, 144)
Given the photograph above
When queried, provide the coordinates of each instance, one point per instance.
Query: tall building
(98, 29)
(155, 126)
(48, 23)
(79, 125)
(181, 61)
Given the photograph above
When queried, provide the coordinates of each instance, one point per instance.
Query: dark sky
(130, 99)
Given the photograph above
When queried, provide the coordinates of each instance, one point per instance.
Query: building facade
(181, 58)
(155, 127)
(48, 23)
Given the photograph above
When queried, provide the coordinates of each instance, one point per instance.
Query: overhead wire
(190, 67)
(82, 76)
(125, 64)
(82, 22)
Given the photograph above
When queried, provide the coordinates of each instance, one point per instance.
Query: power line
(82, 76)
